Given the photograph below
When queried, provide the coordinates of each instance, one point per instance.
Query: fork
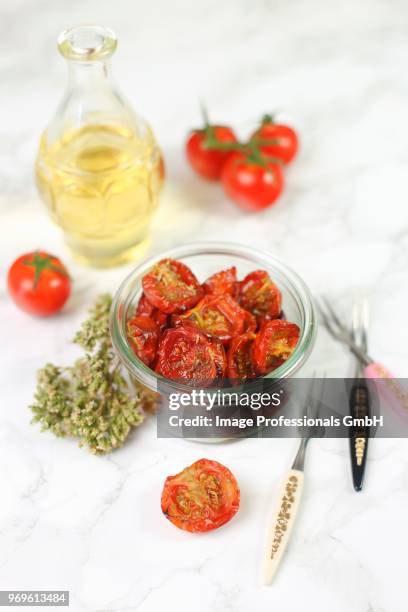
(359, 399)
(287, 506)
(390, 389)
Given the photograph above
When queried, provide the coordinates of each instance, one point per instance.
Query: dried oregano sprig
(91, 400)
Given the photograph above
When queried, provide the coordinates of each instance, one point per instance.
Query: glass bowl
(204, 259)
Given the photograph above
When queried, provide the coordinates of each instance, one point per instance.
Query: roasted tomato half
(146, 309)
(250, 323)
(260, 295)
(186, 354)
(202, 497)
(240, 364)
(222, 283)
(144, 334)
(171, 286)
(274, 344)
(219, 316)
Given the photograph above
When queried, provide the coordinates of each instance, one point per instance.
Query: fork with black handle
(359, 398)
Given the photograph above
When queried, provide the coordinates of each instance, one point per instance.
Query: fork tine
(338, 330)
(314, 406)
(309, 397)
(335, 317)
(326, 321)
(365, 320)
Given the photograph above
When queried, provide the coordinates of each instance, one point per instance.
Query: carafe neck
(89, 75)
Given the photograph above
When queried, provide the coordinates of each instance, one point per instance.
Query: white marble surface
(93, 525)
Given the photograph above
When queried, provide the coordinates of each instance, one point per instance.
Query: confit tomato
(171, 286)
(39, 283)
(222, 283)
(146, 309)
(186, 355)
(202, 497)
(259, 295)
(240, 364)
(207, 161)
(144, 334)
(252, 184)
(283, 141)
(274, 344)
(219, 317)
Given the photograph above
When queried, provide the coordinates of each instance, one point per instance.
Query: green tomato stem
(43, 262)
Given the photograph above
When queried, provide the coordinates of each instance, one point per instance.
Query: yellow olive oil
(101, 184)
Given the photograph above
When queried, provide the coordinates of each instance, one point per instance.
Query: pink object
(395, 395)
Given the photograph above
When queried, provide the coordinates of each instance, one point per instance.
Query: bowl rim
(156, 382)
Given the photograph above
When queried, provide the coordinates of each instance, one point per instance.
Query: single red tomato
(253, 185)
(240, 365)
(202, 497)
(260, 296)
(285, 145)
(207, 161)
(223, 282)
(171, 286)
(219, 317)
(144, 334)
(146, 309)
(39, 283)
(186, 355)
(274, 344)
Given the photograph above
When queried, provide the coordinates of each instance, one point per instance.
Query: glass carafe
(99, 169)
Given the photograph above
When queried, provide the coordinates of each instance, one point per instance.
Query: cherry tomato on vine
(144, 334)
(39, 283)
(207, 161)
(202, 497)
(260, 296)
(186, 355)
(274, 344)
(285, 145)
(171, 286)
(252, 184)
